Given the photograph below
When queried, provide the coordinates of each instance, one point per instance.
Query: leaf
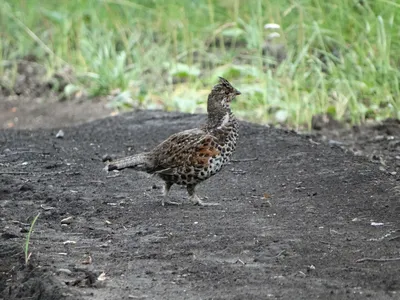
(331, 110)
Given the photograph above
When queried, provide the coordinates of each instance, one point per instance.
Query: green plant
(27, 240)
(341, 55)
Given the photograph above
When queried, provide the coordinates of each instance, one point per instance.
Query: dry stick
(279, 254)
(244, 159)
(394, 238)
(377, 259)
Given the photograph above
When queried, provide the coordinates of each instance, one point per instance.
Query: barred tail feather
(139, 161)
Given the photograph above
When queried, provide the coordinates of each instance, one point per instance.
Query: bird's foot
(197, 201)
(168, 202)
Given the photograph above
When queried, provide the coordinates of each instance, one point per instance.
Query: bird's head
(221, 96)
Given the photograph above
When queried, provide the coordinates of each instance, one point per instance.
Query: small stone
(69, 242)
(64, 271)
(102, 277)
(377, 224)
(60, 134)
(46, 208)
(310, 268)
(26, 187)
(67, 220)
(106, 157)
(379, 138)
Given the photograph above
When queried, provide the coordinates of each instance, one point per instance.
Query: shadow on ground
(298, 220)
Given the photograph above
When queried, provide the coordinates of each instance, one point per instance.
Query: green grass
(28, 239)
(343, 55)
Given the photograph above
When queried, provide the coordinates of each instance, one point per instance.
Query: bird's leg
(166, 188)
(195, 199)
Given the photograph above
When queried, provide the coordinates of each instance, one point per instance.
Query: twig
(239, 172)
(313, 142)
(377, 259)
(244, 159)
(97, 181)
(14, 173)
(279, 254)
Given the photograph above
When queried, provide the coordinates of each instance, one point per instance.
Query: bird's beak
(238, 93)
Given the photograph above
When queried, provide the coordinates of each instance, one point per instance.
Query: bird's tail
(138, 161)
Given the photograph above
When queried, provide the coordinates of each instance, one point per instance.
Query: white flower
(271, 26)
(273, 35)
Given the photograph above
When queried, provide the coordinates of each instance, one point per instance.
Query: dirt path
(292, 223)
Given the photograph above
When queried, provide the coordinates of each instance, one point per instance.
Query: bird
(194, 155)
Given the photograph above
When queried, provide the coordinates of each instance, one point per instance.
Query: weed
(27, 240)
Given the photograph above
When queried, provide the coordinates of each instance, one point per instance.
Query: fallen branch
(377, 259)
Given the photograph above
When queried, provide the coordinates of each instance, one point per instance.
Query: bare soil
(301, 216)
(295, 219)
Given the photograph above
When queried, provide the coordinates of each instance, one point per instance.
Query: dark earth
(311, 216)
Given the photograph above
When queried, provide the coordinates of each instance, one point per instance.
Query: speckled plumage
(192, 156)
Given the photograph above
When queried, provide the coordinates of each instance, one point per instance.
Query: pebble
(26, 187)
(106, 157)
(67, 220)
(60, 134)
(379, 138)
(394, 144)
(65, 271)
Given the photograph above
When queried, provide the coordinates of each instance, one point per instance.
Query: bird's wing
(187, 148)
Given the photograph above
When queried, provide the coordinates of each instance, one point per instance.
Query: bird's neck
(221, 120)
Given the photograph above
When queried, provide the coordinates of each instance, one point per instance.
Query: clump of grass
(342, 56)
(27, 240)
